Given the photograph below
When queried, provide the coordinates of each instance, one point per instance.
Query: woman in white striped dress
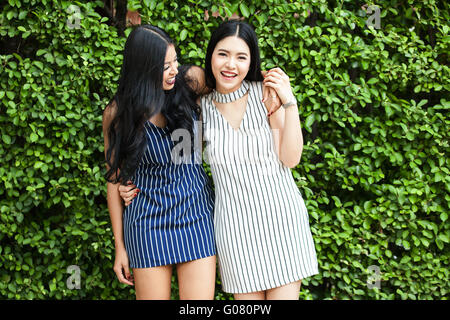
(263, 238)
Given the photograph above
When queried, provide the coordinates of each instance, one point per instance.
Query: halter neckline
(232, 96)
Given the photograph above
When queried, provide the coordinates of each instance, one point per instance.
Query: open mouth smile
(228, 75)
(170, 81)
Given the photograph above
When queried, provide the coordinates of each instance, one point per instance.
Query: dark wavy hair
(140, 95)
(245, 32)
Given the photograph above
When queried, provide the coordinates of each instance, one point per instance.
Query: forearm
(115, 208)
(291, 140)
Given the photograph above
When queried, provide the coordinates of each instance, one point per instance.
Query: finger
(273, 78)
(127, 272)
(128, 282)
(272, 96)
(119, 274)
(272, 110)
(276, 107)
(272, 93)
(281, 73)
(277, 101)
(278, 71)
(127, 194)
(272, 84)
(274, 74)
(127, 188)
(263, 72)
(122, 279)
(130, 194)
(130, 188)
(265, 94)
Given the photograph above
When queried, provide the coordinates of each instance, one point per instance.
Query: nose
(230, 63)
(174, 70)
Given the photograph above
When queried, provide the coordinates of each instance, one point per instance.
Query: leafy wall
(372, 83)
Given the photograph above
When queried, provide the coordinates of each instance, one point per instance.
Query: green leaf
(244, 10)
(11, 95)
(10, 15)
(39, 64)
(6, 139)
(22, 15)
(34, 137)
(40, 52)
(337, 202)
(309, 120)
(183, 34)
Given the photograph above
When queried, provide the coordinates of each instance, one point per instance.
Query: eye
(242, 58)
(222, 54)
(166, 68)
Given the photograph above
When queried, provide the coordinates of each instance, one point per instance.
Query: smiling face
(170, 68)
(230, 63)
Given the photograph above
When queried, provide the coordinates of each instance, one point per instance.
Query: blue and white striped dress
(260, 219)
(171, 219)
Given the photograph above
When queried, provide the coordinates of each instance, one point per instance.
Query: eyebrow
(244, 53)
(176, 58)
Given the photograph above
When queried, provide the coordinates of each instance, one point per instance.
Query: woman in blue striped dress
(170, 221)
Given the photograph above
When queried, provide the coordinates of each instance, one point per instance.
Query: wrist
(119, 245)
(288, 98)
(290, 104)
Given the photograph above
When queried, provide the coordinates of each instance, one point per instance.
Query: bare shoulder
(195, 76)
(109, 113)
(196, 73)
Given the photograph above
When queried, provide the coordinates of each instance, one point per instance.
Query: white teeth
(228, 74)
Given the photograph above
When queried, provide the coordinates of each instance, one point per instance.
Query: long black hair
(139, 96)
(245, 32)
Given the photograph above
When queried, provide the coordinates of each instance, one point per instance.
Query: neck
(227, 90)
(225, 95)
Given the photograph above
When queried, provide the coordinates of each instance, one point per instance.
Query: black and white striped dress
(261, 223)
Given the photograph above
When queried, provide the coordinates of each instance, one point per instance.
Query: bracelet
(289, 104)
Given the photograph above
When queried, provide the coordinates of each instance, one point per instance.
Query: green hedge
(375, 167)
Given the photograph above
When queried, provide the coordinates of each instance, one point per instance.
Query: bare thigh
(259, 295)
(153, 283)
(197, 278)
(289, 291)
